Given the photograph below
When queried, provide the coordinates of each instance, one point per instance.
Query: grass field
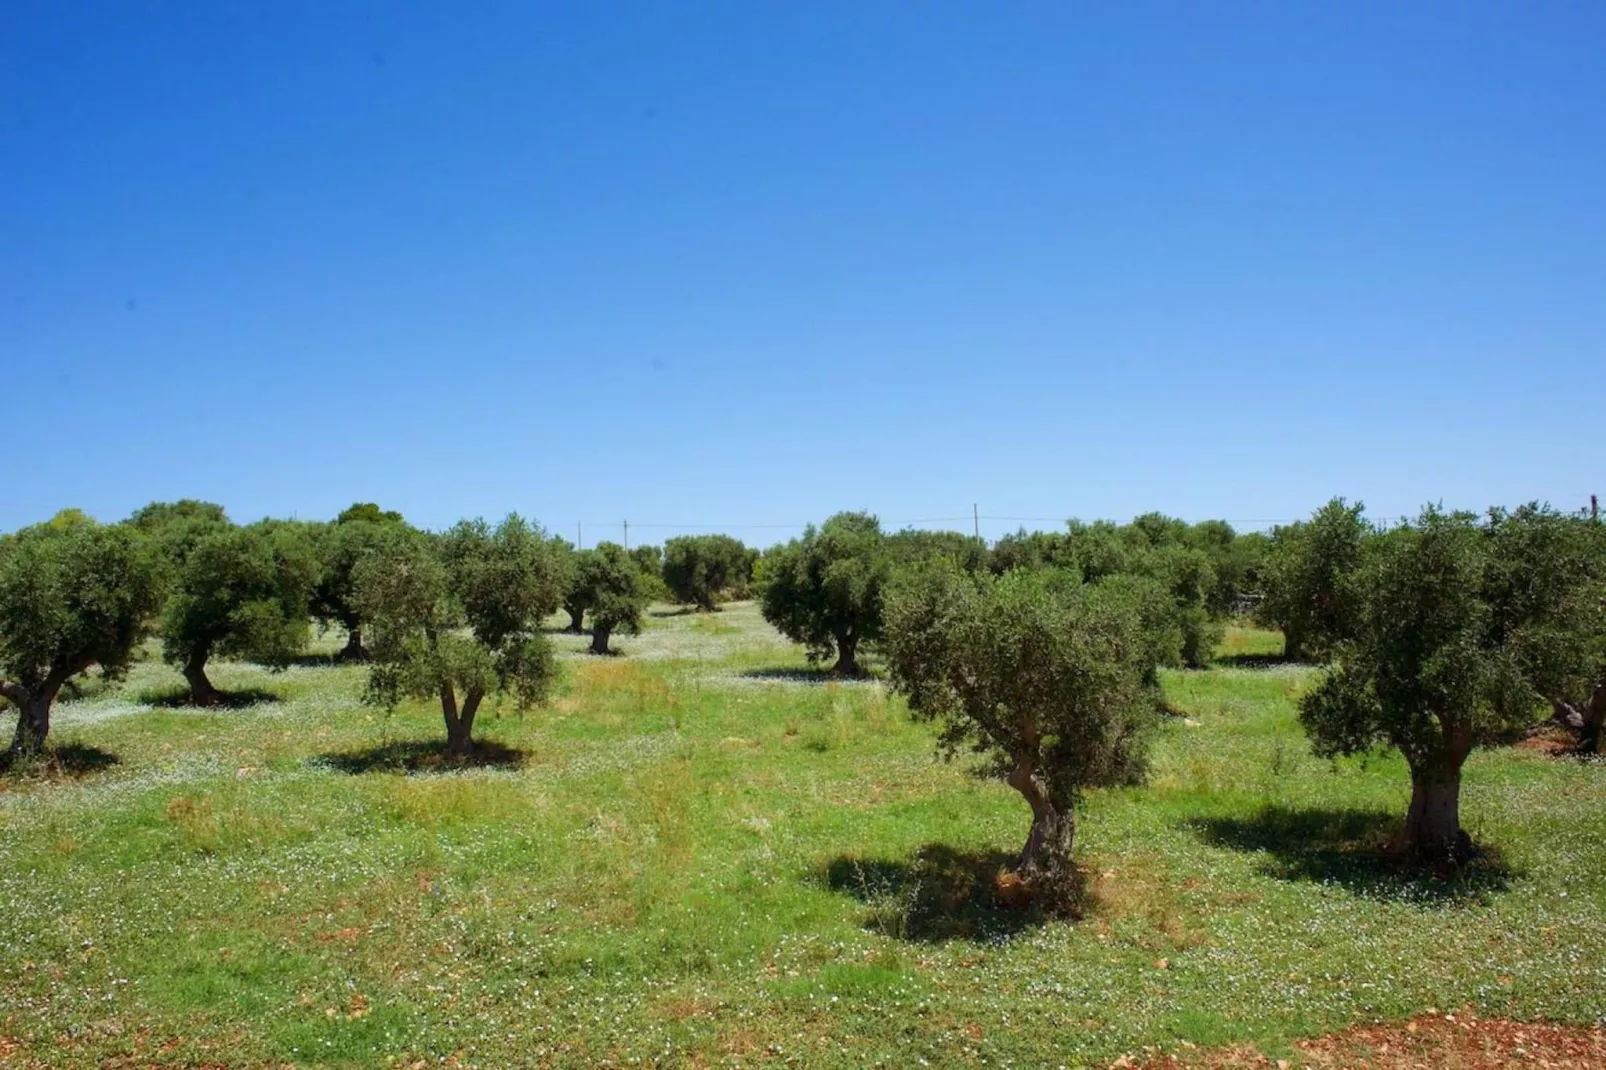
(703, 854)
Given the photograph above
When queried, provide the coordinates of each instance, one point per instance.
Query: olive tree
(457, 617)
(612, 587)
(698, 569)
(1306, 580)
(1549, 572)
(72, 596)
(242, 592)
(1447, 655)
(341, 544)
(1050, 677)
(824, 590)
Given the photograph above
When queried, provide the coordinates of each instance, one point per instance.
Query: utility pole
(1594, 509)
(627, 534)
(579, 534)
(975, 520)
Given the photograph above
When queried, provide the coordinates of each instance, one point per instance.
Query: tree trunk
(846, 648)
(1594, 721)
(459, 725)
(33, 724)
(1046, 857)
(1433, 824)
(202, 693)
(599, 638)
(576, 619)
(354, 650)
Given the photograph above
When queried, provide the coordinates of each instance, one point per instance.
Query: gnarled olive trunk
(576, 619)
(459, 723)
(1046, 857)
(847, 646)
(1433, 823)
(33, 720)
(354, 650)
(599, 638)
(1594, 716)
(202, 693)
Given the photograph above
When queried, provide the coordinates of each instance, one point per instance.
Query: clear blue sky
(751, 263)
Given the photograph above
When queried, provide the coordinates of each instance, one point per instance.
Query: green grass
(704, 854)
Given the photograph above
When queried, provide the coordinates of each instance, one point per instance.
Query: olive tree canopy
(353, 535)
(72, 596)
(699, 569)
(1307, 579)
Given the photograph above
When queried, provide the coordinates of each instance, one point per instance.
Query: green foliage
(458, 616)
(368, 512)
(1307, 580)
(1184, 625)
(611, 586)
(699, 569)
(912, 546)
(1032, 666)
(174, 528)
(353, 535)
(824, 590)
(238, 592)
(73, 596)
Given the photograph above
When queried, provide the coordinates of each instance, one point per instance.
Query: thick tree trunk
(599, 638)
(33, 723)
(847, 647)
(1046, 857)
(354, 650)
(459, 724)
(1594, 721)
(202, 693)
(1433, 824)
(576, 619)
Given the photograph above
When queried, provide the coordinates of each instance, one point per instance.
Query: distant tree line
(1043, 651)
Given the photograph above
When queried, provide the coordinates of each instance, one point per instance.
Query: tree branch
(15, 692)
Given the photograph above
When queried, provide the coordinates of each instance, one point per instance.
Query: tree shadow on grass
(943, 894)
(815, 677)
(178, 698)
(65, 761)
(678, 611)
(1362, 851)
(1252, 661)
(422, 756)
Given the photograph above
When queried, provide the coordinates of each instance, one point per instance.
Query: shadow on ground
(1359, 850)
(422, 756)
(67, 761)
(1251, 661)
(943, 894)
(814, 676)
(179, 698)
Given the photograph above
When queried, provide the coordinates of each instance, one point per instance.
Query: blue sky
(746, 264)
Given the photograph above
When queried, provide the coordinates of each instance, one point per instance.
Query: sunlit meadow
(704, 853)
